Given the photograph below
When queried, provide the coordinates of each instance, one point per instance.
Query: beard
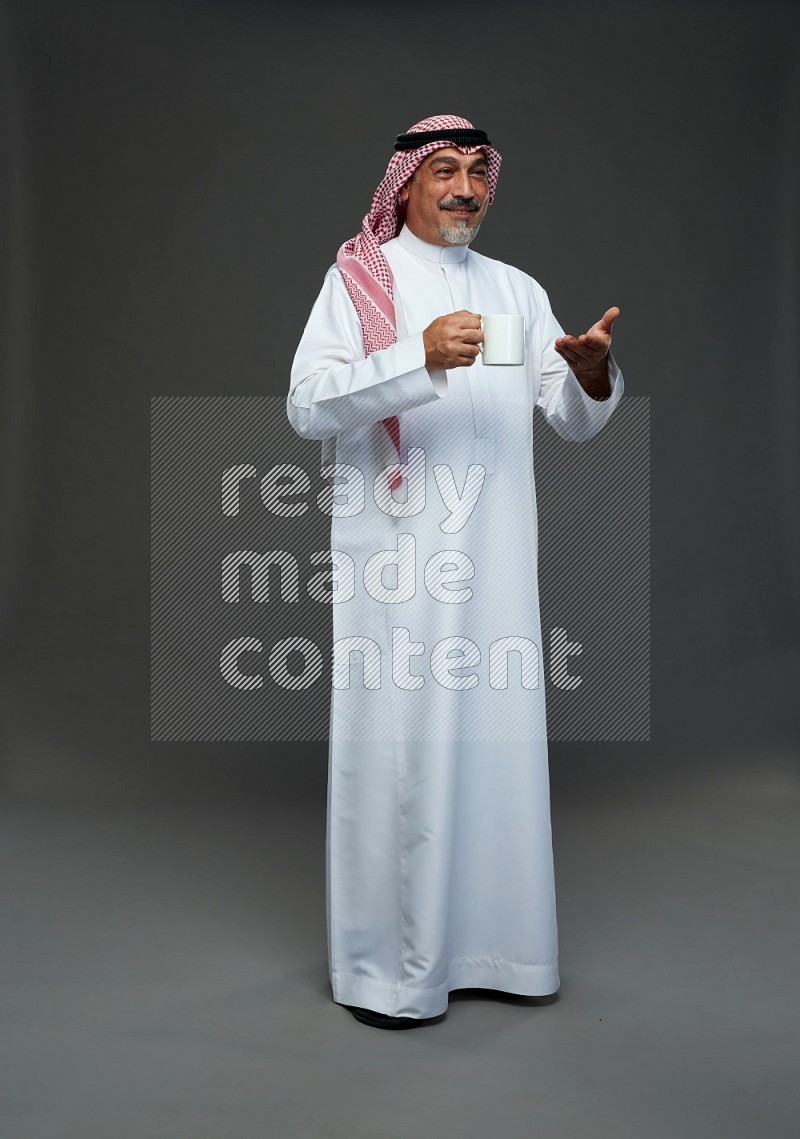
(458, 231)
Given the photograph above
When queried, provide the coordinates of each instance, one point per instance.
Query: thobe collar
(441, 254)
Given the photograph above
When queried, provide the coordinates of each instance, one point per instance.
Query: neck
(444, 254)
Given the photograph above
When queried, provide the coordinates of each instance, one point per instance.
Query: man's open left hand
(587, 354)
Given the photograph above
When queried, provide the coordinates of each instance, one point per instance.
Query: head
(447, 196)
(452, 196)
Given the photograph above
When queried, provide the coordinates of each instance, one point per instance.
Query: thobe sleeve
(334, 388)
(566, 406)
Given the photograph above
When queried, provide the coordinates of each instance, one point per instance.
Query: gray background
(176, 179)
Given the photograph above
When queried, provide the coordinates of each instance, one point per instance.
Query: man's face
(447, 200)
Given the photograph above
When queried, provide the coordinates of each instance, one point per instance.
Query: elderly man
(439, 846)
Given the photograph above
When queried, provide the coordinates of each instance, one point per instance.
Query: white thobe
(439, 849)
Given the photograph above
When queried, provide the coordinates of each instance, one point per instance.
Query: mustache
(459, 203)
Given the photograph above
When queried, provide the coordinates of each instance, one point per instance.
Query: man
(439, 847)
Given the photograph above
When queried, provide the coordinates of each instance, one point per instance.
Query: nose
(461, 185)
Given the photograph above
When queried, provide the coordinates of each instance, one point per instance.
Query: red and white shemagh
(364, 268)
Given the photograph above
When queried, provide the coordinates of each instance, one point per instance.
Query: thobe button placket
(477, 385)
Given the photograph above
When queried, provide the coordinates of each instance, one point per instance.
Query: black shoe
(381, 1020)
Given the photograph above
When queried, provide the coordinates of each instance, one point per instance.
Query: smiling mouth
(461, 209)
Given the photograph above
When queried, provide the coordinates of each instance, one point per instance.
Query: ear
(403, 192)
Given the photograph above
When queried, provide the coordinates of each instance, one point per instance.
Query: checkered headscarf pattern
(364, 268)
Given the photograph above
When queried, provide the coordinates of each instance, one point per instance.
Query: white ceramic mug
(503, 338)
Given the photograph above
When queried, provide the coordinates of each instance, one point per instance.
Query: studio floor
(164, 976)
